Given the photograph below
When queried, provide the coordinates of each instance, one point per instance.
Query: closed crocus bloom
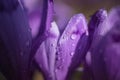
(96, 26)
(15, 41)
(105, 55)
(76, 28)
(54, 56)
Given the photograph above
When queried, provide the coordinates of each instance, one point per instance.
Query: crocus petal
(96, 25)
(97, 22)
(105, 54)
(46, 56)
(15, 41)
(67, 44)
(47, 17)
(95, 34)
(51, 44)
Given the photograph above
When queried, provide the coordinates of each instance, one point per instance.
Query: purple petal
(67, 44)
(15, 41)
(95, 34)
(96, 24)
(86, 40)
(41, 58)
(47, 17)
(46, 55)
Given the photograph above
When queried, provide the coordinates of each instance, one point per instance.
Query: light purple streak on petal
(46, 54)
(47, 17)
(16, 36)
(87, 73)
(51, 44)
(88, 58)
(34, 11)
(96, 25)
(34, 21)
(41, 58)
(67, 44)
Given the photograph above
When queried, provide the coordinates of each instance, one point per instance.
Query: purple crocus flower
(56, 52)
(96, 26)
(104, 50)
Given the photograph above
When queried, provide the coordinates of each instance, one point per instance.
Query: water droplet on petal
(58, 58)
(73, 36)
(73, 45)
(72, 53)
(52, 45)
(59, 67)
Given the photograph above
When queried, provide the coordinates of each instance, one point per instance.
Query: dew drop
(52, 45)
(73, 45)
(58, 58)
(72, 53)
(59, 67)
(73, 36)
(58, 53)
